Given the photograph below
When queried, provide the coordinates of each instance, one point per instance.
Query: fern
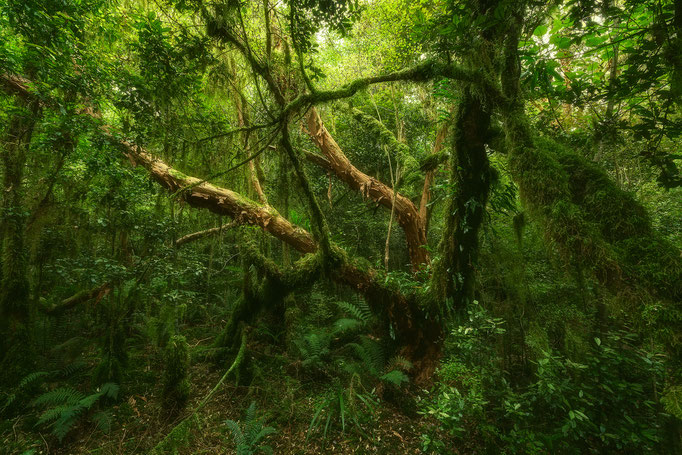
(73, 368)
(66, 406)
(370, 354)
(102, 421)
(23, 385)
(249, 440)
(346, 325)
(31, 378)
(672, 401)
(62, 395)
(395, 377)
(359, 310)
(399, 362)
(314, 348)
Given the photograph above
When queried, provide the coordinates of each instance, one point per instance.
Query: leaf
(395, 377)
(540, 31)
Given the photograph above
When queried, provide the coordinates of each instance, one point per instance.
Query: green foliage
(250, 435)
(357, 365)
(314, 348)
(352, 404)
(585, 141)
(672, 401)
(64, 407)
(603, 402)
(25, 383)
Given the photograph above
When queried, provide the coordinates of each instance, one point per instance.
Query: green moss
(176, 386)
(177, 174)
(600, 228)
(180, 436)
(399, 151)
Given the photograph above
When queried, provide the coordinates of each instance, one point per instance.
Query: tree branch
(205, 233)
(407, 214)
(78, 298)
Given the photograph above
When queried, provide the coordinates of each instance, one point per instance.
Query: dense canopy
(354, 226)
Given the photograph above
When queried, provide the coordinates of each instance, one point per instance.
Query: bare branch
(205, 233)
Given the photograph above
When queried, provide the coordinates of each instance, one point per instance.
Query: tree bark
(78, 298)
(220, 200)
(406, 212)
(424, 211)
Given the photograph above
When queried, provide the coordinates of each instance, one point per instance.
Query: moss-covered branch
(422, 72)
(77, 299)
(399, 150)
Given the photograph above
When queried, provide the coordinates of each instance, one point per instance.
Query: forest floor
(285, 400)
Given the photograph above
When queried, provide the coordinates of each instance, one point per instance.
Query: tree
(478, 50)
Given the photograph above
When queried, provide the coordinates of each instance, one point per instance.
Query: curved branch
(419, 73)
(407, 214)
(220, 200)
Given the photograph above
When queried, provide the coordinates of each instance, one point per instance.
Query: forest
(340, 226)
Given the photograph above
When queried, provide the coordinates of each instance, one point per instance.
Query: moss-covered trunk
(14, 286)
(454, 272)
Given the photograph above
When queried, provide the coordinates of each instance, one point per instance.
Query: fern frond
(62, 395)
(8, 402)
(251, 413)
(347, 325)
(72, 368)
(109, 390)
(359, 310)
(672, 401)
(399, 362)
(53, 414)
(264, 432)
(236, 431)
(31, 378)
(395, 377)
(87, 402)
(66, 421)
(102, 421)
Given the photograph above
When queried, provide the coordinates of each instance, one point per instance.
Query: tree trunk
(424, 211)
(454, 274)
(14, 286)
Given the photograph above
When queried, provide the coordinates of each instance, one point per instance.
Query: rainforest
(340, 227)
